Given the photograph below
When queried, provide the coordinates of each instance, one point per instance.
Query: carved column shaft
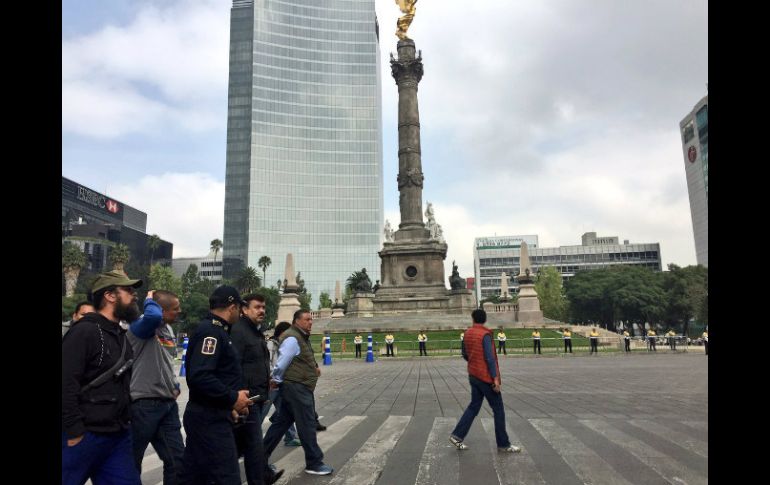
(407, 71)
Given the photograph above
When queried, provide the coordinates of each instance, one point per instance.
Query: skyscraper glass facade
(304, 144)
(695, 148)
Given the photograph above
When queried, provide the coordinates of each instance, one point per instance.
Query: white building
(209, 266)
(494, 255)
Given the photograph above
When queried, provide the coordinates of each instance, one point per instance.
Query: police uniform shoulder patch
(209, 346)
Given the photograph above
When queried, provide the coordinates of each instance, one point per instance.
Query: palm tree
(264, 262)
(153, 242)
(248, 280)
(216, 245)
(72, 260)
(119, 256)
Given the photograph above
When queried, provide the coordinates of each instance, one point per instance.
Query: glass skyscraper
(304, 140)
(695, 147)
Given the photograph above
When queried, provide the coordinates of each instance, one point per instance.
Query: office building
(695, 148)
(304, 143)
(494, 255)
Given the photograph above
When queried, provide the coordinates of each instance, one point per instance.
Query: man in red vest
(484, 375)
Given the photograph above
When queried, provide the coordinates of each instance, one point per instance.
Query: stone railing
(490, 307)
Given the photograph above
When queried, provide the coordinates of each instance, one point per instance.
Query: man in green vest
(296, 374)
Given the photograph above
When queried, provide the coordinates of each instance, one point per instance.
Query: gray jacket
(152, 375)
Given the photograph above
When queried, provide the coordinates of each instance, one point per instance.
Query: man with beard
(217, 395)
(254, 359)
(96, 375)
(155, 387)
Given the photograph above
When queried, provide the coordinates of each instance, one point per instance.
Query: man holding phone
(254, 358)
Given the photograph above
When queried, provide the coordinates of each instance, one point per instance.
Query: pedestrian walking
(485, 381)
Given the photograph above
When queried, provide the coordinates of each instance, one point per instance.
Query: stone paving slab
(640, 418)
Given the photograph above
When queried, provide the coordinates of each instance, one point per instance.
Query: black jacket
(89, 349)
(211, 364)
(253, 355)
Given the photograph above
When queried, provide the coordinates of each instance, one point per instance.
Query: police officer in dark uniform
(217, 395)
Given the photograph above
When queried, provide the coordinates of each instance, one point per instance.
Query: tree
(686, 292)
(72, 260)
(247, 280)
(264, 262)
(190, 280)
(304, 300)
(216, 246)
(162, 278)
(325, 300)
(354, 279)
(194, 307)
(119, 256)
(550, 292)
(153, 242)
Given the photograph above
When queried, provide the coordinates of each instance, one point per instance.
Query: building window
(688, 132)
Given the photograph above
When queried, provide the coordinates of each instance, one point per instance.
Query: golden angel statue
(407, 7)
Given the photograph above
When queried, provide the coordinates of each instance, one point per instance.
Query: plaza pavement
(607, 419)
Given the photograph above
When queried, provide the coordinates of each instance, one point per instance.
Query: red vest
(474, 349)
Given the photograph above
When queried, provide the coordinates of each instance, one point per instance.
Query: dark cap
(227, 294)
(113, 278)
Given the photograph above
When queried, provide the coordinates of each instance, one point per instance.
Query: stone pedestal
(289, 304)
(529, 305)
(325, 313)
(462, 301)
(361, 305)
(337, 312)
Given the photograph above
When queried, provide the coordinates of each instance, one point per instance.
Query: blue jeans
(479, 391)
(275, 396)
(296, 405)
(105, 458)
(156, 421)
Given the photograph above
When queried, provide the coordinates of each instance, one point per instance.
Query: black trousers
(250, 444)
(594, 344)
(672, 343)
(501, 346)
(628, 344)
(358, 350)
(423, 350)
(389, 350)
(651, 343)
(536, 346)
(210, 454)
(706, 346)
(567, 345)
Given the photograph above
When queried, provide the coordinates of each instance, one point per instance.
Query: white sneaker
(458, 442)
(510, 449)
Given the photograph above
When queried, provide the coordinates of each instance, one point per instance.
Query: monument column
(407, 71)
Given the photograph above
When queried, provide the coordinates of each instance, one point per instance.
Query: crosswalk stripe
(294, 461)
(586, 464)
(511, 468)
(440, 463)
(674, 472)
(695, 445)
(367, 464)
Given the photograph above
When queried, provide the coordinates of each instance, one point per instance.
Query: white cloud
(165, 70)
(555, 118)
(186, 209)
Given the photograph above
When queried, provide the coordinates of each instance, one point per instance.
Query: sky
(547, 117)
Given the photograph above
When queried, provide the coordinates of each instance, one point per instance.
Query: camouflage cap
(113, 278)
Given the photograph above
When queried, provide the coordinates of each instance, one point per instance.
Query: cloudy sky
(540, 117)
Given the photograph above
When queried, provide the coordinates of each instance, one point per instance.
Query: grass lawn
(448, 342)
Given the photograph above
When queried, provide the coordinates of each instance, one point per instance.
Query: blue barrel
(327, 350)
(182, 372)
(369, 353)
